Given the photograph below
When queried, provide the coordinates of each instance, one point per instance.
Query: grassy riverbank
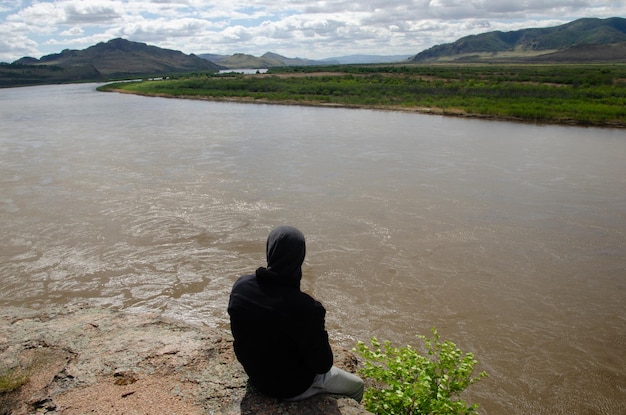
(564, 94)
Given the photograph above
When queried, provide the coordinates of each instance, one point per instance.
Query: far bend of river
(509, 238)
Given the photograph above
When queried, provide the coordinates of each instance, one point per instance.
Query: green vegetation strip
(573, 94)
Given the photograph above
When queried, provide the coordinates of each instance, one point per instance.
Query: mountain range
(115, 59)
(583, 40)
(270, 60)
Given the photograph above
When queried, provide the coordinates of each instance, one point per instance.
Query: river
(509, 238)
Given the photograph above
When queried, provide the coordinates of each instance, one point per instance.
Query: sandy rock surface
(95, 361)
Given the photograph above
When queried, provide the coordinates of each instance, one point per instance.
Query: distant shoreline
(575, 95)
(393, 108)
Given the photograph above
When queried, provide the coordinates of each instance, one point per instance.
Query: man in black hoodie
(279, 332)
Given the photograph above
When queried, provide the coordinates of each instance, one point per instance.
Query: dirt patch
(145, 394)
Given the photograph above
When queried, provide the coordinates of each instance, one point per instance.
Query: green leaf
(407, 382)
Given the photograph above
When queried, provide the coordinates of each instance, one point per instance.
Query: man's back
(279, 331)
(279, 334)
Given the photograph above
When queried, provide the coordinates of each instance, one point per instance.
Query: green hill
(115, 59)
(565, 43)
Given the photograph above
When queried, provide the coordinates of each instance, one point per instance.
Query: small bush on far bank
(410, 383)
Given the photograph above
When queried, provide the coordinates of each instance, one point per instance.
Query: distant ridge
(582, 40)
(273, 60)
(115, 59)
(119, 57)
(244, 61)
(365, 59)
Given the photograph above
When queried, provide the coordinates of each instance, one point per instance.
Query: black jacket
(279, 332)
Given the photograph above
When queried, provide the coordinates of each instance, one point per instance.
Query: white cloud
(82, 13)
(16, 45)
(304, 28)
(73, 31)
(236, 34)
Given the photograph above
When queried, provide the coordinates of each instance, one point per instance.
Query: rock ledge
(88, 360)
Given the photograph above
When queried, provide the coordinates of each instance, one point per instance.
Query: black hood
(285, 252)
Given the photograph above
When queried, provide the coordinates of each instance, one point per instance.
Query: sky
(312, 29)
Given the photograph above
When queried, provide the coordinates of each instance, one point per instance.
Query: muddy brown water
(509, 238)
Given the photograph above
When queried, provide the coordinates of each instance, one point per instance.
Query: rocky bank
(83, 360)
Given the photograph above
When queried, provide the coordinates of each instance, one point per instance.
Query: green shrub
(408, 382)
(12, 379)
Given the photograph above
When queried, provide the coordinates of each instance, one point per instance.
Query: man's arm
(312, 340)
